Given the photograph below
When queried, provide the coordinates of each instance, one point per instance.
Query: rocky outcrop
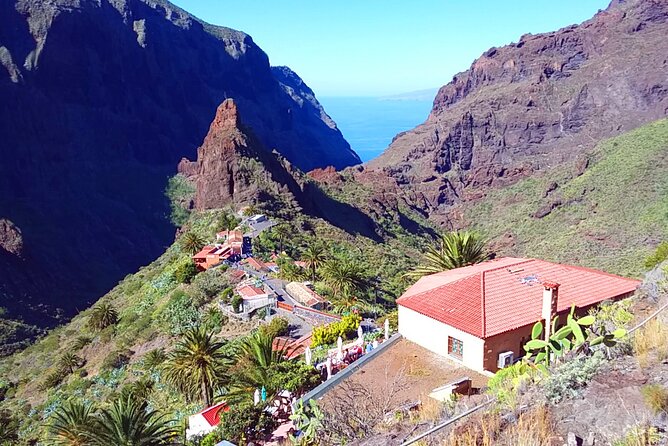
(100, 101)
(232, 167)
(534, 104)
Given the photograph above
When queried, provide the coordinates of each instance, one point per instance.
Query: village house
(481, 315)
(231, 248)
(305, 295)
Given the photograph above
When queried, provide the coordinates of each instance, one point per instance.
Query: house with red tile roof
(256, 264)
(205, 421)
(481, 315)
(212, 255)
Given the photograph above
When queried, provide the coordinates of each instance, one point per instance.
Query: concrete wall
(433, 335)
(510, 341)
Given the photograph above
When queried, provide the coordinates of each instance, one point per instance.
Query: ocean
(369, 124)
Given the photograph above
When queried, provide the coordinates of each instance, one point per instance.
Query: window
(455, 347)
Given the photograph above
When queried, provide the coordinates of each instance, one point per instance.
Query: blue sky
(380, 47)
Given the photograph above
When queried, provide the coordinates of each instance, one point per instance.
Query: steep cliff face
(100, 100)
(534, 104)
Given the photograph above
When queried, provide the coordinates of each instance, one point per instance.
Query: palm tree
(255, 355)
(71, 424)
(192, 242)
(70, 361)
(282, 232)
(197, 364)
(314, 256)
(154, 358)
(454, 250)
(344, 278)
(129, 423)
(102, 316)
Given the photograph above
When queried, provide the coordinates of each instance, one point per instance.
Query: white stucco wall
(433, 335)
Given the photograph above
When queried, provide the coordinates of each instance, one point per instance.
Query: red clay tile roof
(204, 252)
(255, 263)
(212, 414)
(500, 295)
(250, 291)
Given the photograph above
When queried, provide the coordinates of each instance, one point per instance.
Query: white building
(481, 316)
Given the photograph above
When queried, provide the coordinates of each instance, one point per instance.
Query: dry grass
(656, 397)
(534, 428)
(430, 410)
(641, 435)
(650, 343)
(481, 431)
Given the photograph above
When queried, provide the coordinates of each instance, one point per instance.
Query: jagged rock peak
(226, 119)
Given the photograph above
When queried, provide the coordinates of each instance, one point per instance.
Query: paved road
(275, 285)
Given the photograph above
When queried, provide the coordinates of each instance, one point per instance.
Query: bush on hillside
(276, 327)
(237, 303)
(185, 271)
(245, 421)
(293, 376)
(569, 378)
(328, 334)
(117, 359)
(658, 256)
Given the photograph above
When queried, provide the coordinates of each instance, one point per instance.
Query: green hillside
(611, 217)
(155, 306)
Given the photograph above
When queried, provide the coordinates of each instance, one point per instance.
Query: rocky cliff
(532, 105)
(100, 100)
(233, 168)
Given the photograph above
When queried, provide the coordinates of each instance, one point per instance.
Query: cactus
(573, 336)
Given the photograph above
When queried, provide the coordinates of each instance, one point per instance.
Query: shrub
(276, 327)
(328, 334)
(185, 271)
(657, 256)
(80, 342)
(656, 397)
(209, 283)
(52, 379)
(245, 421)
(569, 378)
(640, 435)
(237, 303)
(294, 376)
(507, 382)
(117, 359)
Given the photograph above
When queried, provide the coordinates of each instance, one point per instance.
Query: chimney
(550, 298)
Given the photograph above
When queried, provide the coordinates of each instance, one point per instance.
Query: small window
(455, 347)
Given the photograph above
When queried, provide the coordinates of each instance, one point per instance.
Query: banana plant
(573, 336)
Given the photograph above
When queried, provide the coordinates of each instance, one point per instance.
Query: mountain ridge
(101, 99)
(527, 106)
